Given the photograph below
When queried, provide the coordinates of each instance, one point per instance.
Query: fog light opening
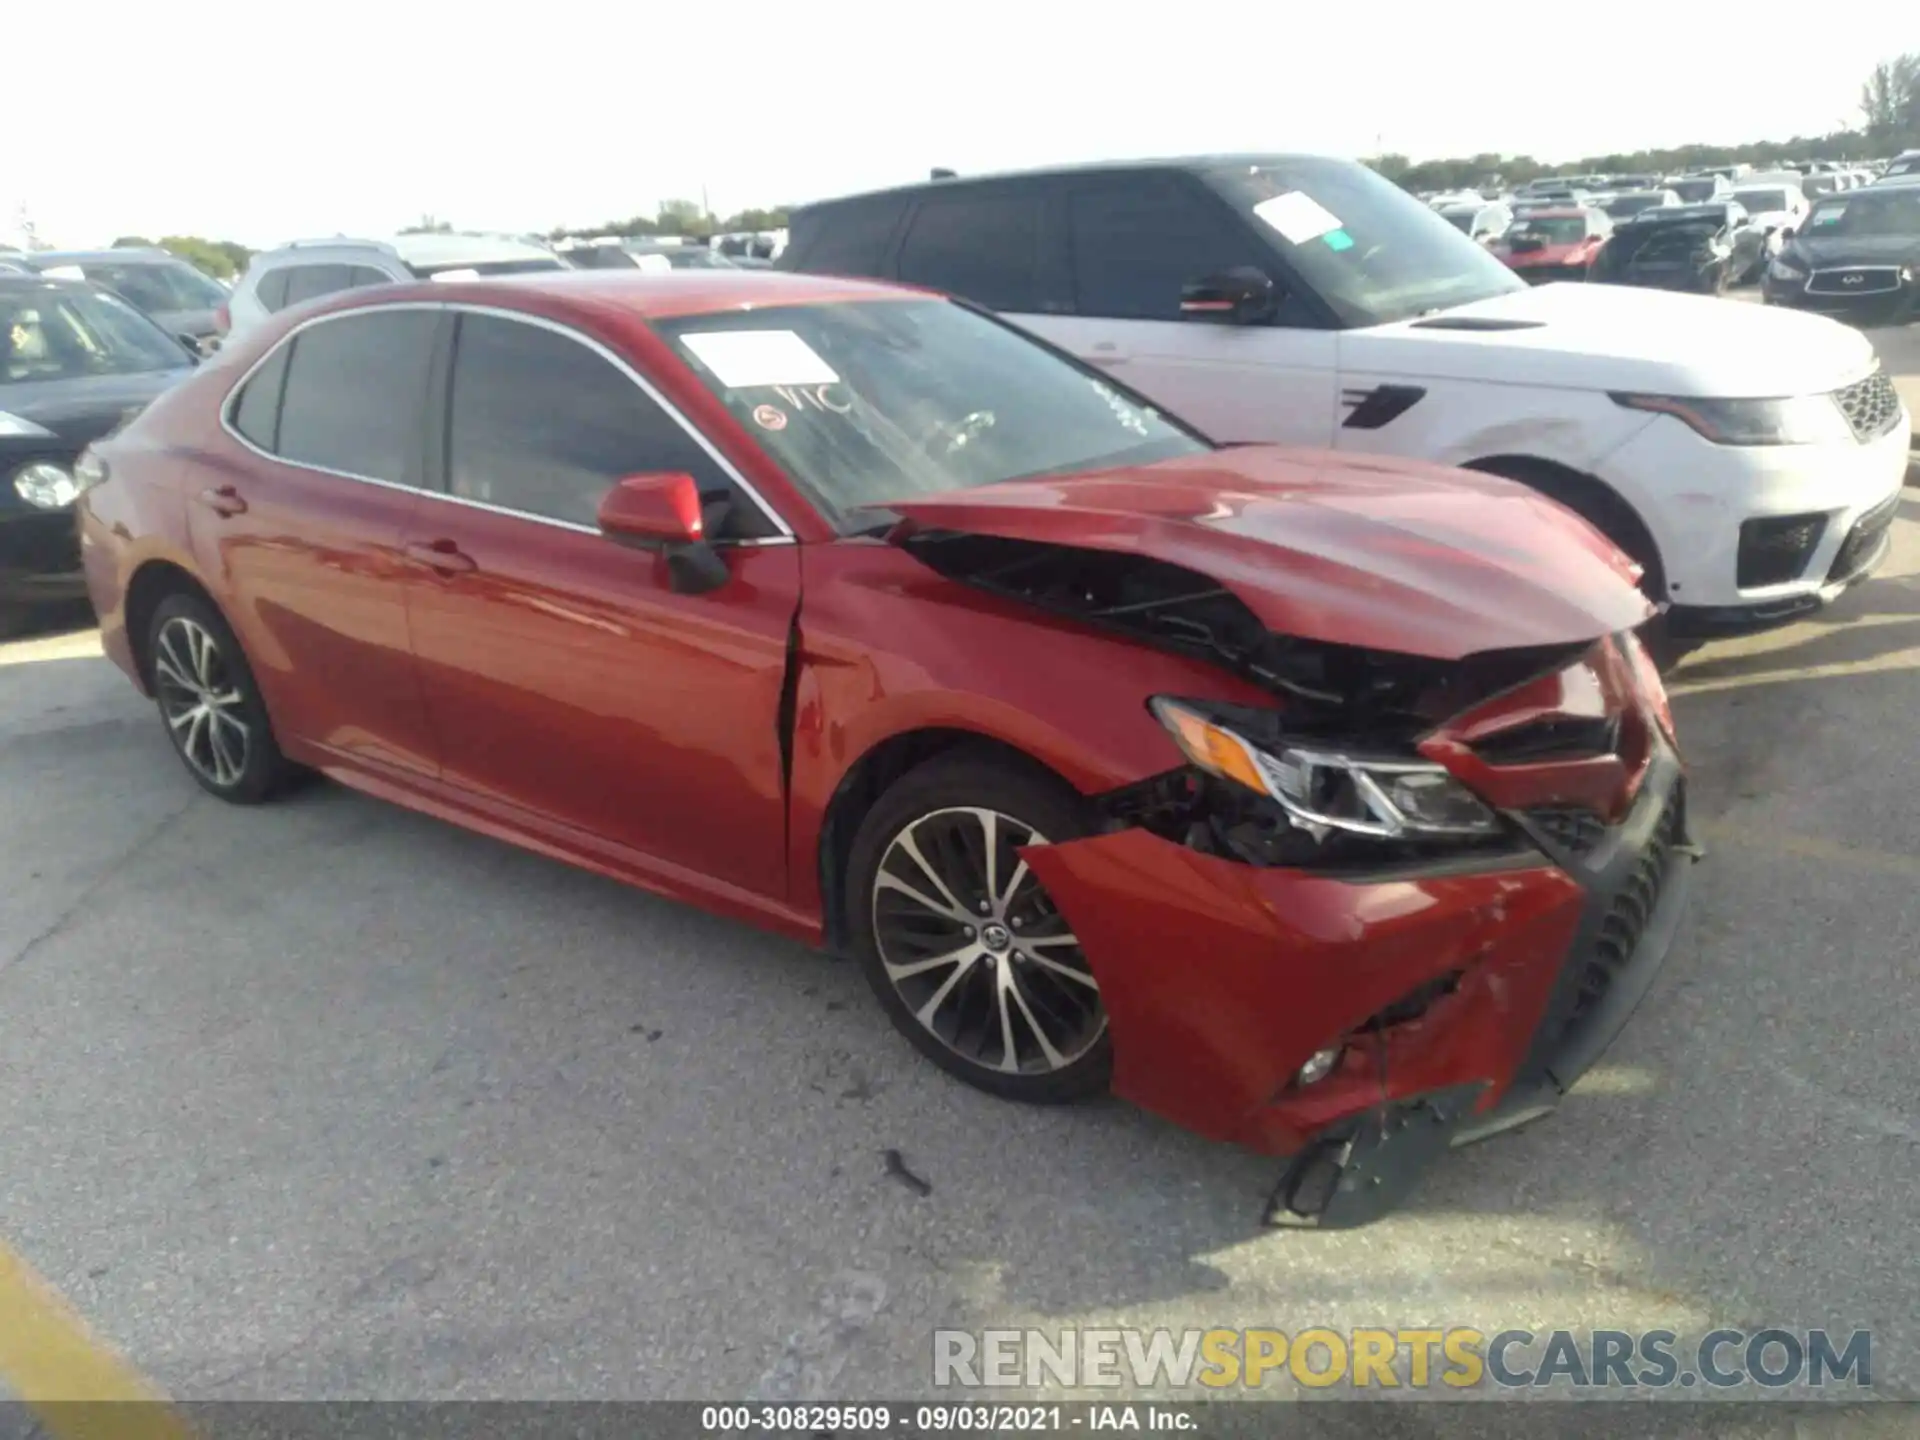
(1319, 1065)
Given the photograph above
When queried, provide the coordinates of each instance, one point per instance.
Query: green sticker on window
(1338, 240)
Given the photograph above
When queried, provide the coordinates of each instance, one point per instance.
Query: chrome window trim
(645, 386)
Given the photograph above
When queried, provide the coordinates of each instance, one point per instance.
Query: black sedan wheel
(960, 941)
(211, 706)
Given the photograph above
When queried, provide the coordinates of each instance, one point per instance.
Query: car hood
(1545, 255)
(1857, 249)
(1369, 551)
(80, 410)
(1601, 337)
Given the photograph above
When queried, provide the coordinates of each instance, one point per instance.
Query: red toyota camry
(1324, 804)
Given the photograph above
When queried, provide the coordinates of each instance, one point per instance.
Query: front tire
(208, 700)
(962, 945)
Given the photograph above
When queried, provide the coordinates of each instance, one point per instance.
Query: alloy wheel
(975, 949)
(203, 705)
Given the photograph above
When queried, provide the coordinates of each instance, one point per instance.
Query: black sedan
(1857, 257)
(75, 363)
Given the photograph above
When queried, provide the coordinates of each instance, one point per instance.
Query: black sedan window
(59, 332)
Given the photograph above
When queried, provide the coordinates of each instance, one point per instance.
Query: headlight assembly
(1786, 270)
(46, 486)
(1322, 788)
(1795, 420)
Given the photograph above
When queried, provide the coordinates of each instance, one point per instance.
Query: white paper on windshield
(743, 359)
(1297, 216)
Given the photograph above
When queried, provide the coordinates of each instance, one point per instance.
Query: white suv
(308, 269)
(1749, 459)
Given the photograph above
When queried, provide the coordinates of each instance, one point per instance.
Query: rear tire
(209, 703)
(961, 944)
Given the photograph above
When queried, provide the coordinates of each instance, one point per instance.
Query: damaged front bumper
(1464, 999)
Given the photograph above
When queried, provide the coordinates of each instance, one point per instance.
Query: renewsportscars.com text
(1453, 1357)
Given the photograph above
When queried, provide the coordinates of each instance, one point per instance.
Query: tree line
(224, 259)
(1889, 123)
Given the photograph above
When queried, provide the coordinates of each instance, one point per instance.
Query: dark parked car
(1857, 257)
(75, 361)
(180, 299)
(1327, 805)
(1679, 247)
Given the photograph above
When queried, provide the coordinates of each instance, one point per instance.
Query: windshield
(1550, 229)
(157, 287)
(59, 333)
(1370, 250)
(888, 400)
(1758, 202)
(1695, 190)
(1622, 206)
(1863, 212)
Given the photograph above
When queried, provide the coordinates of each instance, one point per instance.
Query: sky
(268, 121)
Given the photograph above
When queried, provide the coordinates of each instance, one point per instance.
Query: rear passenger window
(1135, 245)
(310, 282)
(272, 289)
(982, 247)
(544, 425)
(358, 275)
(256, 412)
(846, 239)
(354, 391)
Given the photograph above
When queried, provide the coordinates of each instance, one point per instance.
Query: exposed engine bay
(1337, 695)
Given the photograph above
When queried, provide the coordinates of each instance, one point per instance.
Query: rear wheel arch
(152, 583)
(1593, 500)
(869, 778)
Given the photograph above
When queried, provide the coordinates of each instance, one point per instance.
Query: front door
(565, 679)
(1133, 243)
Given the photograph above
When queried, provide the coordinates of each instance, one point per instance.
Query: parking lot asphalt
(328, 1099)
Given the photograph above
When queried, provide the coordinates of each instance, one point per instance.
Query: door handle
(223, 500)
(444, 557)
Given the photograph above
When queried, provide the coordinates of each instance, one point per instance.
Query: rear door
(303, 519)
(568, 683)
(1131, 242)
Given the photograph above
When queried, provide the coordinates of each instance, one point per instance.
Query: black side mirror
(1241, 296)
(191, 345)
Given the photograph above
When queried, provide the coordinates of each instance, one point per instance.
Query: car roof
(13, 281)
(1558, 212)
(1089, 167)
(438, 248)
(146, 254)
(643, 294)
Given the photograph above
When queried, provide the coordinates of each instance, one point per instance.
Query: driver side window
(541, 424)
(1135, 244)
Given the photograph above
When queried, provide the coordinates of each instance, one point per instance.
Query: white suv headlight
(1796, 420)
(1321, 789)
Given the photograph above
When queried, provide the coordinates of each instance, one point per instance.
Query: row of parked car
(1718, 234)
(1113, 608)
